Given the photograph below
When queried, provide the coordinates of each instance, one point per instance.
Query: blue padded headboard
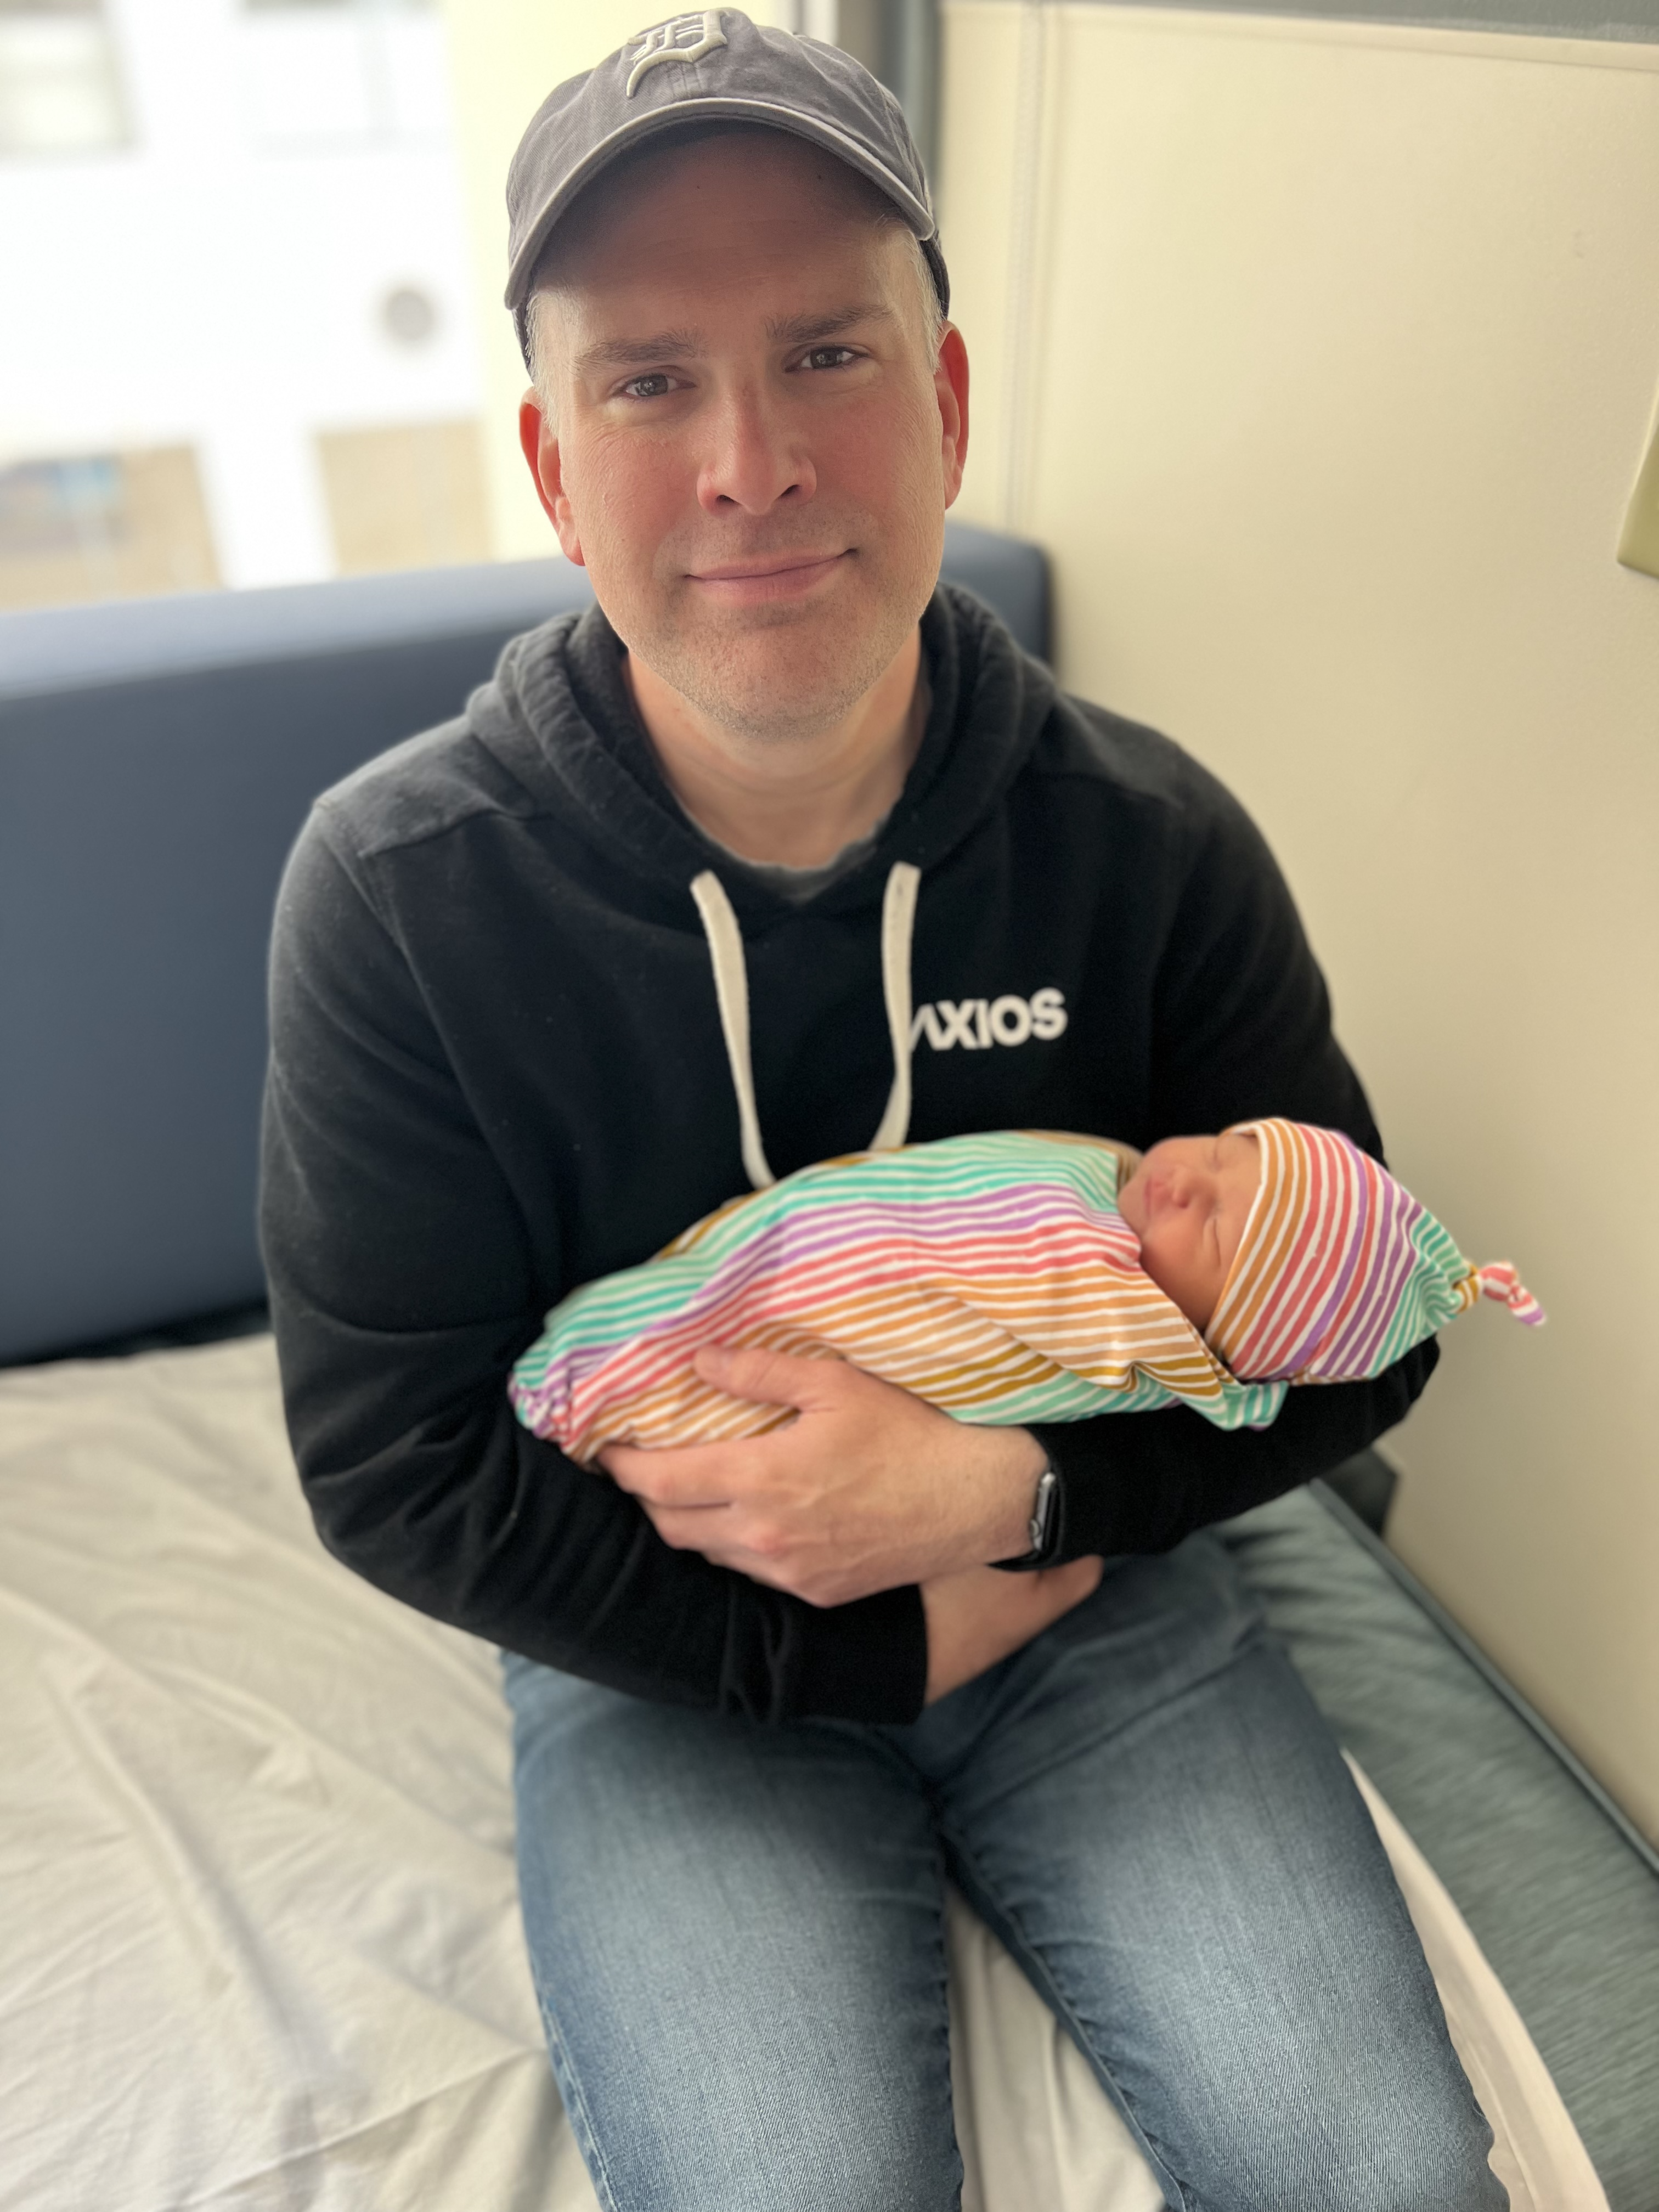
(156, 760)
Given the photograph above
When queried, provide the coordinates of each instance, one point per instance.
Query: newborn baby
(1022, 1276)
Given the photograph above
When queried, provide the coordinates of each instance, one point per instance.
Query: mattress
(260, 1945)
(1561, 1895)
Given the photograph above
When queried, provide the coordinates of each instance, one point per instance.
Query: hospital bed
(259, 1944)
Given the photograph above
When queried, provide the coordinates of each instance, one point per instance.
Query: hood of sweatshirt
(559, 717)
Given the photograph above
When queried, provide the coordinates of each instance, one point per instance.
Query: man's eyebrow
(628, 353)
(687, 345)
(808, 330)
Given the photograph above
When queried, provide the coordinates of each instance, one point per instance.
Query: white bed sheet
(259, 1942)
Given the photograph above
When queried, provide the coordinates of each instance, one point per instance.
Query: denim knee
(1359, 2159)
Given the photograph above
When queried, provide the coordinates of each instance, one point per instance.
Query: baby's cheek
(1184, 1276)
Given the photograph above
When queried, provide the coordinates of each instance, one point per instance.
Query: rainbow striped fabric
(1340, 1270)
(991, 1275)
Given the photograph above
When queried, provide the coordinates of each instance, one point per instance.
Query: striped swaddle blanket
(991, 1275)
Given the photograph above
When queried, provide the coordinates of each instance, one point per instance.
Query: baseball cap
(709, 66)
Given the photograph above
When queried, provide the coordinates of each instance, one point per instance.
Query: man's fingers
(712, 1531)
(678, 1475)
(769, 1378)
(712, 1475)
(705, 1528)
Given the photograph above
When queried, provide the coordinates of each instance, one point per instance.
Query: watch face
(1042, 1508)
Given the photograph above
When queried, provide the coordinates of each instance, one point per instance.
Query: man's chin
(830, 610)
(773, 704)
(776, 677)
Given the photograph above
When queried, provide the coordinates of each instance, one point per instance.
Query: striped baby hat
(1340, 1270)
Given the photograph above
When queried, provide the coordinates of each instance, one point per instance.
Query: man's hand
(977, 1618)
(868, 1488)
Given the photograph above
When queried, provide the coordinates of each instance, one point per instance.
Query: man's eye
(830, 356)
(653, 385)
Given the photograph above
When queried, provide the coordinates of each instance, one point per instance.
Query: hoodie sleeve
(1242, 1028)
(401, 1292)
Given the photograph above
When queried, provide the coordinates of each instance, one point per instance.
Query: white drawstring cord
(898, 918)
(731, 992)
(898, 914)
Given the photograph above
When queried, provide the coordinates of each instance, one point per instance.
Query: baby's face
(1187, 1202)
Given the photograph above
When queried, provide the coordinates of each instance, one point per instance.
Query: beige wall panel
(1342, 355)
(505, 56)
(979, 210)
(411, 495)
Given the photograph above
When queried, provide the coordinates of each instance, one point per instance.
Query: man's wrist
(1018, 1462)
(1029, 1526)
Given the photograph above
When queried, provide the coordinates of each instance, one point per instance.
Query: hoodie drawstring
(898, 915)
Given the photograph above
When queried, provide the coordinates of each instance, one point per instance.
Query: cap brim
(684, 114)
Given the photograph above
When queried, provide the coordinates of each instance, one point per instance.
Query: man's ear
(540, 444)
(951, 383)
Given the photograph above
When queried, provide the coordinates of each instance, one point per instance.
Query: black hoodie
(497, 1071)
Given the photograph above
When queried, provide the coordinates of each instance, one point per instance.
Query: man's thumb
(768, 1379)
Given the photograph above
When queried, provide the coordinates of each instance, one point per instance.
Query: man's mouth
(768, 576)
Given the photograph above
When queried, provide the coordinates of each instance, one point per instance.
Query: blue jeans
(736, 1936)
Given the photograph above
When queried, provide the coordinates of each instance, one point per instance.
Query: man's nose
(752, 461)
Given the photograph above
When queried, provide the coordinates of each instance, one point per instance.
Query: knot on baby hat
(1340, 1270)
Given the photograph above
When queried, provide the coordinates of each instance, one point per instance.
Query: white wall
(1322, 357)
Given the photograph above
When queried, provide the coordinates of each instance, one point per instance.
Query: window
(337, 7)
(103, 525)
(342, 72)
(60, 90)
(268, 374)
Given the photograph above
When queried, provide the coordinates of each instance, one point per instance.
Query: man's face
(754, 450)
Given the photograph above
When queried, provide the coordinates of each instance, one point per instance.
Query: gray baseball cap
(710, 65)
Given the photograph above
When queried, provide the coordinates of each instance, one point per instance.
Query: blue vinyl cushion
(157, 758)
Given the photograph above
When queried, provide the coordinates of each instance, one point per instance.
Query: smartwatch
(1045, 1528)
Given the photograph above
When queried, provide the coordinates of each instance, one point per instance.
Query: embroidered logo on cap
(681, 38)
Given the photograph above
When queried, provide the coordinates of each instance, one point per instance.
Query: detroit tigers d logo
(681, 38)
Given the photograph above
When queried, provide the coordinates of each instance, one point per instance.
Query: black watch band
(1046, 1526)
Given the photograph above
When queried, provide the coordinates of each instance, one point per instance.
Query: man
(767, 1694)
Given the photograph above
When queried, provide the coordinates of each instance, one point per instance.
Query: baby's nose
(1192, 1187)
